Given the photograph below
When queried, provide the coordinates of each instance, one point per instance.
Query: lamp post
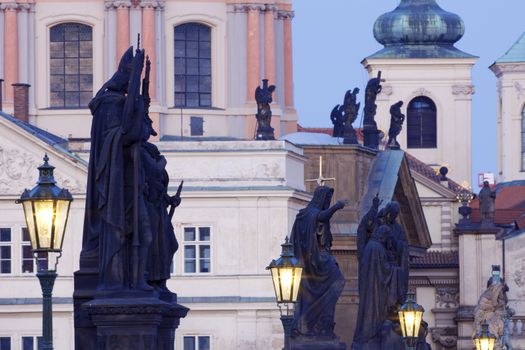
(464, 196)
(410, 317)
(46, 209)
(484, 340)
(286, 278)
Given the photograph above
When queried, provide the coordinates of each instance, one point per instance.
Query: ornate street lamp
(286, 278)
(46, 209)
(484, 340)
(410, 317)
(465, 196)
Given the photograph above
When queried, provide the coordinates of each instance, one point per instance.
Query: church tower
(422, 68)
(510, 71)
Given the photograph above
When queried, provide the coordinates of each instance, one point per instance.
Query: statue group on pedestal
(127, 227)
(343, 116)
(383, 278)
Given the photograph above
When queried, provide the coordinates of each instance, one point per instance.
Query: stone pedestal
(146, 323)
(305, 343)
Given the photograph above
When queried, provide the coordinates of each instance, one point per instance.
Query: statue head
(392, 211)
(322, 198)
(119, 81)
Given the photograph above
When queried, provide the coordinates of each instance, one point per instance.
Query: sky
(331, 37)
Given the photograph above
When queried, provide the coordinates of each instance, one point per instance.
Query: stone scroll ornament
(343, 116)
(370, 131)
(383, 278)
(263, 97)
(322, 281)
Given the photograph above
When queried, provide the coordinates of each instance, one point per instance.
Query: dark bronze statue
(396, 125)
(383, 279)
(343, 116)
(127, 227)
(370, 131)
(487, 204)
(322, 282)
(263, 97)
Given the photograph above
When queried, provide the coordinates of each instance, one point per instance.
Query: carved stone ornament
(447, 297)
(463, 90)
(118, 3)
(9, 6)
(285, 14)
(421, 92)
(151, 4)
(387, 90)
(18, 171)
(446, 337)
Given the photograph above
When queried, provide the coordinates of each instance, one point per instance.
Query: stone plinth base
(312, 343)
(135, 323)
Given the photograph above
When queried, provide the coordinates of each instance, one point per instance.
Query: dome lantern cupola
(419, 29)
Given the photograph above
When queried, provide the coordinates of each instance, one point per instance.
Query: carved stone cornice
(9, 6)
(270, 7)
(466, 89)
(25, 7)
(152, 4)
(283, 14)
(118, 4)
(243, 7)
(501, 68)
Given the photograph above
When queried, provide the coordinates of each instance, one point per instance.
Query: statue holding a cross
(322, 281)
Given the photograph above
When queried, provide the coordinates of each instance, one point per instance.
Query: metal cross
(321, 179)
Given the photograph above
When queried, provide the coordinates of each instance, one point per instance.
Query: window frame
(36, 340)
(197, 337)
(10, 340)
(211, 74)
(413, 113)
(80, 72)
(197, 243)
(9, 244)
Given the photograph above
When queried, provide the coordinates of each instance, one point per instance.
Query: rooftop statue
(396, 125)
(383, 278)
(487, 205)
(343, 116)
(370, 131)
(322, 281)
(263, 97)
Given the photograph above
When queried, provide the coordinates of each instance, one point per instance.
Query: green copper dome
(419, 29)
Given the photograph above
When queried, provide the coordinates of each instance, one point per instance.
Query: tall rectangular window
(197, 249)
(196, 342)
(71, 65)
(31, 343)
(192, 65)
(28, 261)
(5, 343)
(5, 250)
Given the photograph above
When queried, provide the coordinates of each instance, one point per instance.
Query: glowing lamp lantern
(286, 275)
(484, 340)
(410, 317)
(46, 209)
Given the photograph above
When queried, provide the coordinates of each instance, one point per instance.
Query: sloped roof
(516, 53)
(436, 260)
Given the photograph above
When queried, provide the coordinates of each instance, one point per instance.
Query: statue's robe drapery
(373, 291)
(322, 282)
(116, 127)
(164, 244)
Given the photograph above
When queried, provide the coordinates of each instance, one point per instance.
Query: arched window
(193, 65)
(71, 65)
(421, 123)
(523, 139)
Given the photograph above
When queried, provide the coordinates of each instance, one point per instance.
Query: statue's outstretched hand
(342, 203)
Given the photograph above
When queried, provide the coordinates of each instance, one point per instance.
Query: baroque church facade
(240, 196)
